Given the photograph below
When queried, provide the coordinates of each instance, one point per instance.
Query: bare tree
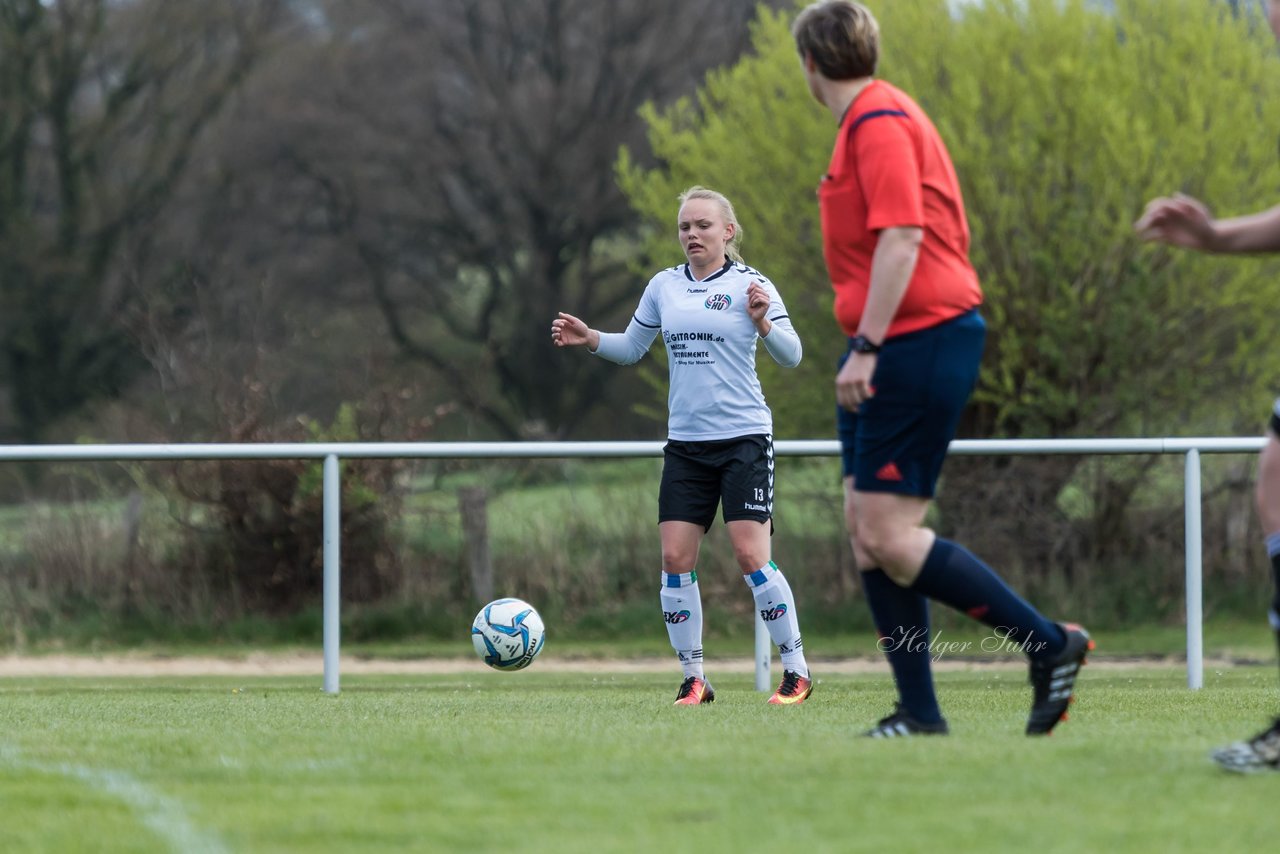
(101, 104)
(462, 153)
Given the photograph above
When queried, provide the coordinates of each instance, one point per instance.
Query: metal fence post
(332, 553)
(1194, 550)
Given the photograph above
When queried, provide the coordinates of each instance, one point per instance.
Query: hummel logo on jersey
(696, 291)
(771, 614)
(718, 302)
(675, 616)
(889, 471)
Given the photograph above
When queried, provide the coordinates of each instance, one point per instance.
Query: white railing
(331, 452)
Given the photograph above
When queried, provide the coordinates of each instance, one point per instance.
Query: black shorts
(735, 473)
(898, 438)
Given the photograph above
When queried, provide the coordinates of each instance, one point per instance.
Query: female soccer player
(711, 311)
(897, 249)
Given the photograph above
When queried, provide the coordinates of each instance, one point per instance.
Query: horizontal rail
(565, 450)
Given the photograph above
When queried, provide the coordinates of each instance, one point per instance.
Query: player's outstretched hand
(1177, 220)
(569, 331)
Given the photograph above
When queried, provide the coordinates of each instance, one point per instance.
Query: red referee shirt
(890, 168)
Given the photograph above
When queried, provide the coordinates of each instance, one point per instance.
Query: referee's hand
(853, 382)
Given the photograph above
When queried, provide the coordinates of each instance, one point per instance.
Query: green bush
(1063, 118)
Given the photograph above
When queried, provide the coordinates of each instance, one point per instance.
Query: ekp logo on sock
(771, 614)
(675, 616)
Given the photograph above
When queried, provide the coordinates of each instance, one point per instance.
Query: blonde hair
(841, 36)
(731, 247)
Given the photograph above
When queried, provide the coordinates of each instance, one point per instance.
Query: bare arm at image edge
(1180, 220)
(1258, 232)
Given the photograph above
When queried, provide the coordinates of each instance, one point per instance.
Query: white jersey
(711, 349)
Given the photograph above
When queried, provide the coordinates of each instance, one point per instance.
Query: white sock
(777, 608)
(682, 612)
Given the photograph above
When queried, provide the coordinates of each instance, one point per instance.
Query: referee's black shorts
(898, 438)
(734, 473)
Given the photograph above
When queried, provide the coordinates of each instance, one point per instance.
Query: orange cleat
(695, 691)
(793, 691)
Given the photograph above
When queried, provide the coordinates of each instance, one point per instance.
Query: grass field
(600, 761)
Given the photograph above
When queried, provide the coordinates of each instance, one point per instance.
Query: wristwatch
(863, 344)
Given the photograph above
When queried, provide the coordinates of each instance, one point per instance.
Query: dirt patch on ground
(306, 664)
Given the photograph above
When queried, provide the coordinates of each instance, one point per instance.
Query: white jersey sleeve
(782, 342)
(629, 347)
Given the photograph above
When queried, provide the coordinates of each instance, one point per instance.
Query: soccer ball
(507, 634)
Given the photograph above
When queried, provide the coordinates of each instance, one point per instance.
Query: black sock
(951, 574)
(902, 619)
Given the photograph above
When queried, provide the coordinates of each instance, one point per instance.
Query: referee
(896, 243)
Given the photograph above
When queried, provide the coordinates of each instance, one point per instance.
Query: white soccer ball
(507, 634)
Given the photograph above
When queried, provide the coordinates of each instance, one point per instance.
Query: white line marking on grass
(164, 815)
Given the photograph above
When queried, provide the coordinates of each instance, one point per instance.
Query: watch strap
(863, 344)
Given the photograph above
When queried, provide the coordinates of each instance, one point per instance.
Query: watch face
(862, 345)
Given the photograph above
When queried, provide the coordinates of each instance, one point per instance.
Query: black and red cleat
(1053, 681)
